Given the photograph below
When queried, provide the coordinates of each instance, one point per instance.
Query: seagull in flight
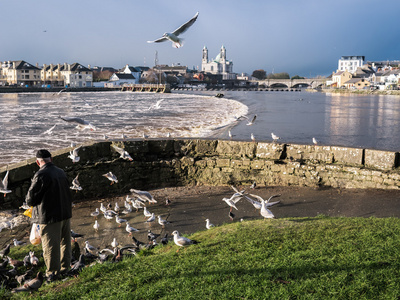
(75, 184)
(4, 184)
(157, 105)
(50, 131)
(123, 153)
(110, 176)
(173, 36)
(252, 120)
(82, 124)
(73, 155)
(232, 200)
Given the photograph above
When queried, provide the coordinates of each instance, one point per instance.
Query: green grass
(296, 258)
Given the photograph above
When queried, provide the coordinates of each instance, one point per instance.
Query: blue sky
(301, 37)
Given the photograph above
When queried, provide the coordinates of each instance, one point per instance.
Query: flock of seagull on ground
(135, 201)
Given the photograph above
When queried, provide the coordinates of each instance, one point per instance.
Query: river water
(350, 120)
(368, 121)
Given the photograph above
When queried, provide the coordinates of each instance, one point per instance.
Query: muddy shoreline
(191, 205)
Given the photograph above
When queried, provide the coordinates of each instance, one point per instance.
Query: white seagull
(314, 140)
(208, 224)
(157, 105)
(123, 154)
(4, 184)
(151, 219)
(181, 240)
(267, 202)
(253, 137)
(18, 243)
(265, 212)
(173, 36)
(50, 131)
(75, 184)
(102, 207)
(162, 222)
(119, 220)
(73, 155)
(110, 176)
(143, 195)
(90, 248)
(130, 229)
(146, 213)
(252, 120)
(114, 243)
(275, 137)
(96, 226)
(232, 200)
(82, 124)
(95, 213)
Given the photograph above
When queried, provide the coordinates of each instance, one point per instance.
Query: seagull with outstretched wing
(173, 36)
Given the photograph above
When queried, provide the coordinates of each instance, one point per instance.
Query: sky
(300, 37)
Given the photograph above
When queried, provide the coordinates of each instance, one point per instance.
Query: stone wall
(162, 163)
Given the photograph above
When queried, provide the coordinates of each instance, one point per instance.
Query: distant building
(218, 66)
(134, 71)
(118, 79)
(350, 63)
(76, 75)
(340, 77)
(20, 73)
(171, 70)
(357, 83)
(51, 74)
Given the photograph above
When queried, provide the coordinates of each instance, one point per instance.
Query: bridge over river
(292, 83)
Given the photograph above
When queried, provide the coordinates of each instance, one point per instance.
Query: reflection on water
(365, 121)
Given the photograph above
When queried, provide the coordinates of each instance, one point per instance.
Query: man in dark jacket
(50, 196)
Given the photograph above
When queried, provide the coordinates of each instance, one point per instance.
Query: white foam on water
(25, 117)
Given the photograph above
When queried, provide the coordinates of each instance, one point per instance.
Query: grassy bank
(296, 258)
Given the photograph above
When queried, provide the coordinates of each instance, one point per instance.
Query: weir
(177, 162)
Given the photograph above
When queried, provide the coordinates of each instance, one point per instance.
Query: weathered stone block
(257, 164)
(201, 163)
(236, 163)
(310, 153)
(383, 160)
(236, 148)
(350, 156)
(270, 150)
(187, 161)
(223, 162)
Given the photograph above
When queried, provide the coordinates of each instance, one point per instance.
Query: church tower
(223, 54)
(222, 61)
(205, 55)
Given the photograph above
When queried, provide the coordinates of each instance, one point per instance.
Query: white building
(118, 79)
(218, 66)
(133, 71)
(350, 63)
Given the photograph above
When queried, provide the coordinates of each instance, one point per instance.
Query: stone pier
(177, 162)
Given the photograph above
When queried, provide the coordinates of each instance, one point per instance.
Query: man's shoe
(52, 277)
